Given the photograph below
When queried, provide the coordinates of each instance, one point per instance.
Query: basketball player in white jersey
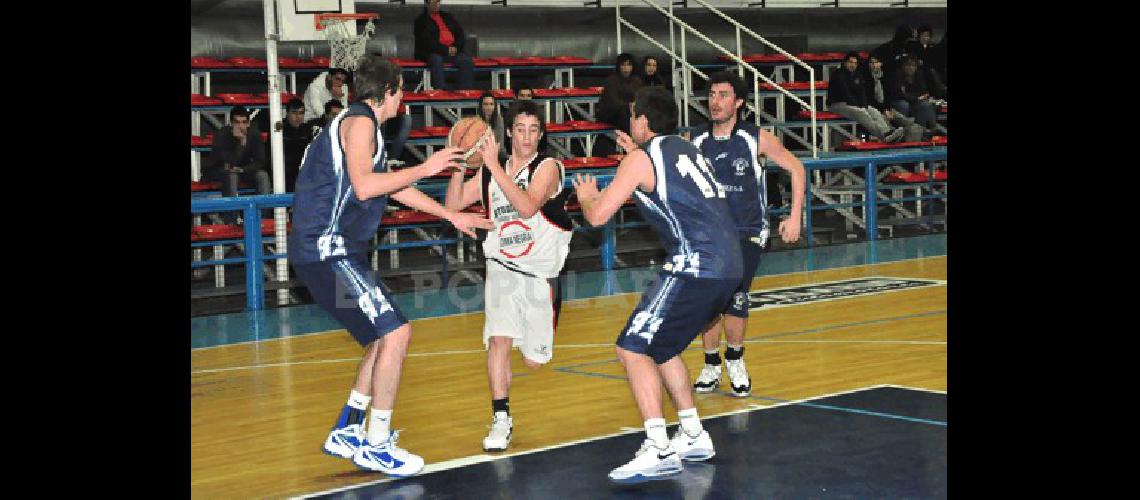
(525, 251)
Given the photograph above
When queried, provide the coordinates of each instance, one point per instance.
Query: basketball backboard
(297, 18)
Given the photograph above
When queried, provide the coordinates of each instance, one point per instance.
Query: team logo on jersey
(740, 164)
(833, 290)
(515, 239)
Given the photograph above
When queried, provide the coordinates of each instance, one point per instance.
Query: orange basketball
(465, 134)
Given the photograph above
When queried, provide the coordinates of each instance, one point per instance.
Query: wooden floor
(261, 411)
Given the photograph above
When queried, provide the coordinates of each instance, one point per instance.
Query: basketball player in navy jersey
(342, 189)
(525, 252)
(733, 147)
(676, 192)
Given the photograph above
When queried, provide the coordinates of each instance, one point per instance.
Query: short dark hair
(731, 78)
(294, 104)
(338, 71)
(529, 108)
(333, 103)
(238, 111)
(522, 86)
(851, 54)
(656, 104)
(376, 78)
(925, 29)
(625, 57)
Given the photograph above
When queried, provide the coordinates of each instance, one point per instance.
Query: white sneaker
(388, 458)
(344, 441)
(738, 378)
(650, 462)
(708, 380)
(692, 449)
(500, 436)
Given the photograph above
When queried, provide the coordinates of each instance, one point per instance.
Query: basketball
(465, 134)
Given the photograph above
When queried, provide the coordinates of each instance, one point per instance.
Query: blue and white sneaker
(693, 449)
(650, 463)
(388, 458)
(343, 441)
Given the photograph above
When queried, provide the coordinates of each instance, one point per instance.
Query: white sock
(378, 426)
(358, 400)
(655, 429)
(690, 422)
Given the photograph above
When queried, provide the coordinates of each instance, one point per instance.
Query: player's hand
(586, 186)
(467, 222)
(490, 150)
(790, 230)
(442, 159)
(452, 51)
(625, 141)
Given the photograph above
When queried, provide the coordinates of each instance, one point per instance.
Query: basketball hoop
(346, 46)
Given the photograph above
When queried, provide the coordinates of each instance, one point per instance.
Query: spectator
(878, 99)
(938, 59)
(327, 85)
(924, 50)
(439, 39)
(651, 73)
(238, 155)
(893, 52)
(489, 112)
(524, 92)
(296, 135)
(847, 95)
(332, 108)
(618, 92)
(909, 94)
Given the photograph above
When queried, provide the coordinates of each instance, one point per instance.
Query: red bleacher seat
(572, 60)
(429, 132)
(909, 177)
(285, 97)
(589, 91)
(414, 96)
(503, 93)
(942, 109)
(514, 61)
(209, 63)
(482, 62)
(559, 127)
(467, 94)
(588, 125)
(819, 85)
(268, 226)
(408, 217)
(938, 140)
(197, 186)
(408, 63)
(238, 98)
(540, 93)
(864, 54)
(247, 62)
(940, 175)
(204, 100)
(204, 141)
(440, 95)
(295, 63)
(213, 232)
(589, 162)
(321, 61)
(873, 145)
(820, 115)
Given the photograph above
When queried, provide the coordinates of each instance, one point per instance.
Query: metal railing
(688, 68)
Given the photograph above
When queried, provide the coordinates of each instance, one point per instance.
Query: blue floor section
(222, 329)
(874, 443)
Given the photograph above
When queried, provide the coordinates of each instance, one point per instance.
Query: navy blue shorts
(346, 288)
(672, 312)
(750, 251)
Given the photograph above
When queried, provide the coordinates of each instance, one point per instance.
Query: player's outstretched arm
(635, 170)
(461, 194)
(358, 137)
(771, 147)
(462, 221)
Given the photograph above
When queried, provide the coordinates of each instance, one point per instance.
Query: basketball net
(347, 49)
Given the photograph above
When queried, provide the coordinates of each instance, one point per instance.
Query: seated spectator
(651, 74)
(327, 85)
(332, 108)
(489, 112)
(878, 97)
(238, 155)
(524, 92)
(617, 93)
(892, 52)
(847, 95)
(924, 50)
(439, 39)
(909, 94)
(296, 136)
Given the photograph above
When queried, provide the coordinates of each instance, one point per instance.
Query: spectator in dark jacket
(651, 73)
(439, 39)
(926, 52)
(878, 98)
(296, 136)
(893, 52)
(617, 93)
(238, 155)
(910, 94)
(847, 95)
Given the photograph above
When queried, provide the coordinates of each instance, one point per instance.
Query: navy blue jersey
(687, 209)
(328, 220)
(735, 164)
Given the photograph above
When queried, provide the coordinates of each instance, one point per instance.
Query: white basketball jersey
(537, 245)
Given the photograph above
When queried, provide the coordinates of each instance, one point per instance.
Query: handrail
(755, 85)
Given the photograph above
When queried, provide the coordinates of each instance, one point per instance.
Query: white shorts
(522, 307)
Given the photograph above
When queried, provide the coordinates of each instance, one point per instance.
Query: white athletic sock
(358, 400)
(655, 429)
(378, 426)
(690, 422)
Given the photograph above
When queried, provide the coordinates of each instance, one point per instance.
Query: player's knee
(400, 338)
